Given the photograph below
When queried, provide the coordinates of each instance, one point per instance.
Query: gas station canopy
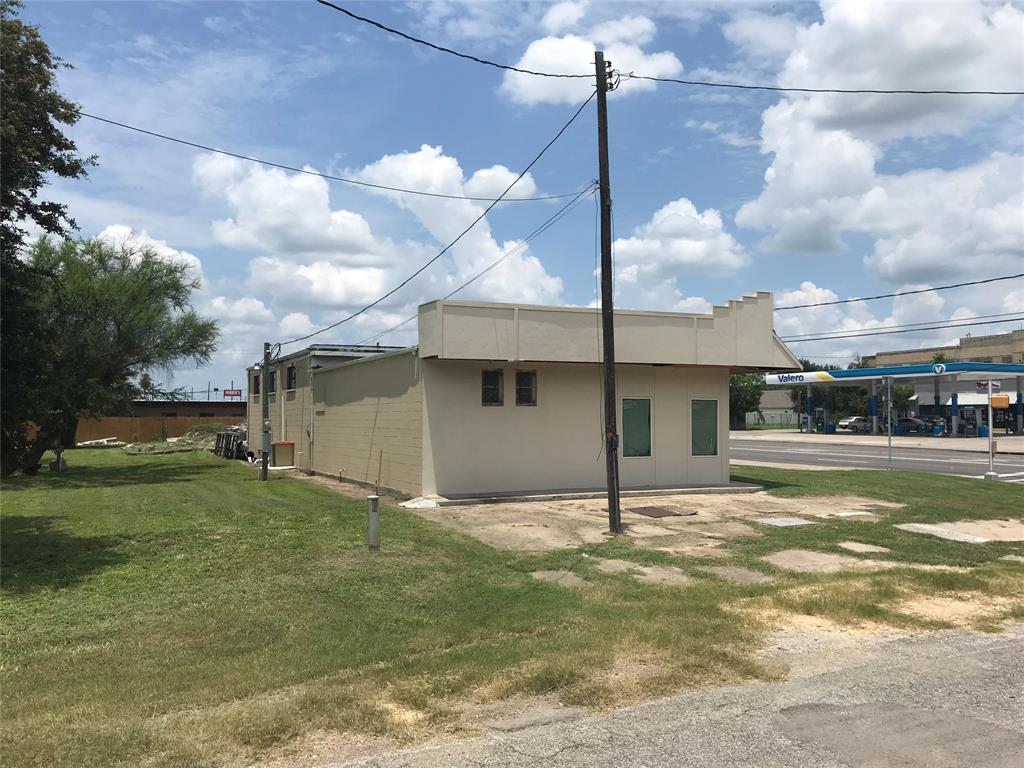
(908, 374)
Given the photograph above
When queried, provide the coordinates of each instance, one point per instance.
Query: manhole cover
(660, 511)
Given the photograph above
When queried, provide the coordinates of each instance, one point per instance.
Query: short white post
(888, 405)
(373, 523)
(991, 474)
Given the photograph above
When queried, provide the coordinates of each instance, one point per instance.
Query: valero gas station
(992, 393)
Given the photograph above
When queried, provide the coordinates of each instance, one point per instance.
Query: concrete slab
(737, 575)
(784, 522)
(942, 532)
(1013, 558)
(566, 579)
(666, 575)
(616, 566)
(1007, 444)
(858, 546)
(809, 561)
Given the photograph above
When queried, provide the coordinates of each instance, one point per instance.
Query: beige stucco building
(503, 398)
(994, 348)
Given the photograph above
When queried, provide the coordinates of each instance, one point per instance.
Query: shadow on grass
(34, 555)
(767, 484)
(86, 476)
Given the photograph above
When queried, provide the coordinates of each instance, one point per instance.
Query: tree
(114, 312)
(745, 390)
(34, 147)
(33, 144)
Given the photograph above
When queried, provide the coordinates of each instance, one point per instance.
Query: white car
(855, 423)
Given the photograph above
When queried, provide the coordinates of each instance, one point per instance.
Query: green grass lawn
(172, 611)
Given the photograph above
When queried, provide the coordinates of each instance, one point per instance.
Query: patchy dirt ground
(703, 523)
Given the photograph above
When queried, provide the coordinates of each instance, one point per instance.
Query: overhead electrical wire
(794, 337)
(550, 222)
(901, 293)
(441, 48)
(788, 89)
(941, 327)
(327, 176)
(632, 76)
(462, 234)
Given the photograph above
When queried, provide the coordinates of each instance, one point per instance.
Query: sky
(716, 193)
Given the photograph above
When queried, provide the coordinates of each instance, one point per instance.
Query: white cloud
(563, 16)
(574, 54)
(491, 182)
(761, 35)
(725, 134)
(1014, 301)
(925, 46)
(678, 239)
(123, 234)
(824, 179)
(520, 277)
(295, 324)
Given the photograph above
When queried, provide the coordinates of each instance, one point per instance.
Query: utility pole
(265, 411)
(611, 436)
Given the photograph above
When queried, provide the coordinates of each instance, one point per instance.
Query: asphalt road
(950, 699)
(1010, 467)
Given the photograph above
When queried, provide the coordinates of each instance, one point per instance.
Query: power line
(308, 172)
(700, 83)
(908, 330)
(441, 48)
(551, 221)
(787, 89)
(901, 293)
(450, 245)
(795, 337)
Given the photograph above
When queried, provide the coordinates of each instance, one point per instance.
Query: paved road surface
(946, 462)
(949, 700)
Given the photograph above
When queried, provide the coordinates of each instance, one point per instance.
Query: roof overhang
(905, 374)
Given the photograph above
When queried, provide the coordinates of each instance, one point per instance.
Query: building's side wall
(471, 448)
(290, 412)
(996, 348)
(369, 421)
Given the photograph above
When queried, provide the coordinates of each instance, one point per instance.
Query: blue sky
(716, 193)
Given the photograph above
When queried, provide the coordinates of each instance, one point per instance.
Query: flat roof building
(995, 348)
(507, 398)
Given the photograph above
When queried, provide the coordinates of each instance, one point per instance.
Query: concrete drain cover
(784, 522)
(660, 511)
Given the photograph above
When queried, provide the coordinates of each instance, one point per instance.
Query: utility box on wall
(282, 453)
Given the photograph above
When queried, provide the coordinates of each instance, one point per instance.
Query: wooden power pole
(611, 435)
(265, 412)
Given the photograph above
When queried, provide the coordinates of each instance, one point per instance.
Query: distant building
(228, 409)
(776, 408)
(997, 348)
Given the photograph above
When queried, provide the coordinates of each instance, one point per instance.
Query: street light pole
(991, 474)
(888, 407)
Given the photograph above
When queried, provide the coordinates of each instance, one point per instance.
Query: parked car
(855, 423)
(912, 424)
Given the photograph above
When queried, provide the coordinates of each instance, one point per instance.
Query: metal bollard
(373, 523)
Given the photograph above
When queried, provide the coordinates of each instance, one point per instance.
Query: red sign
(232, 393)
(983, 384)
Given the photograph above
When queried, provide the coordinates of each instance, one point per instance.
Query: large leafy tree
(33, 147)
(114, 312)
(34, 144)
(745, 390)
